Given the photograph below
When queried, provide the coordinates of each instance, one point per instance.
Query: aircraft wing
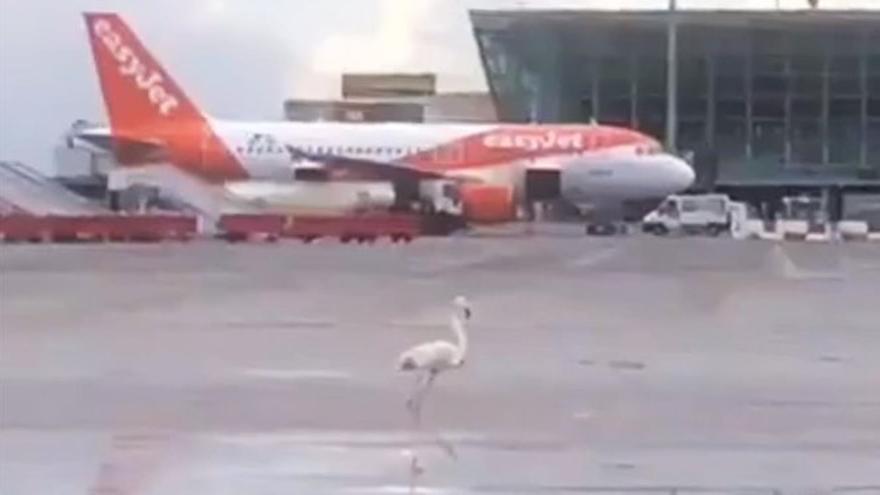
(346, 168)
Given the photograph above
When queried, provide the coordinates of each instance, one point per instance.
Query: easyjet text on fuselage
(548, 140)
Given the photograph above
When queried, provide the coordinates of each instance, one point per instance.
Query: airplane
(153, 120)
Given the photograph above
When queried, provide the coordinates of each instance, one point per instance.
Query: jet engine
(488, 204)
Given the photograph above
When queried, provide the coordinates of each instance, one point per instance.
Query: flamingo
(431, 358)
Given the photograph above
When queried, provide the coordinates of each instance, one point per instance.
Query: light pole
(672, 78)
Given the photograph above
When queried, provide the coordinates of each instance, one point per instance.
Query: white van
(690, 214)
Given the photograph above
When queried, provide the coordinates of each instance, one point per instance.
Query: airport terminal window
(807, 64)
(874, 106)
(808, 85)
(730, 109)
(844, 141)
(587, 109)
(806, 108)
(768, 107)
(730, 138)
(691, 134)
(693, 76)
(768, 139)
(845, 108)
(768, 64)
(770, 84)
(730, 76)
(691, 107)
(806, 142)
(846, 84)
(617, 111)
(844, 64)
(874, 84)
(874, 144)
(613, 87)
(651, 76)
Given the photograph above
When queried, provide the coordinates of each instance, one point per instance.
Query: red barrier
(360, 228)
(153, 228)
(24, 228)
(243, 227)
(96, 228)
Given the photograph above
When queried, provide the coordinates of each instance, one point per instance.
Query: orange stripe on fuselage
(509, 144)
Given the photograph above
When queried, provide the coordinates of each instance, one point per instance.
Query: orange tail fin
(138, 92)
(151, 118)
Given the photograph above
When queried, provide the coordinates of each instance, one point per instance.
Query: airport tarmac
(209, 368)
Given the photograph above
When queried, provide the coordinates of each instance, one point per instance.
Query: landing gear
(605, 219)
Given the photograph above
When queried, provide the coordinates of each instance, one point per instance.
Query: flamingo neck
(461, 341)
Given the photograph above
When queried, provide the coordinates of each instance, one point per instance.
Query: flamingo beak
(467, 313)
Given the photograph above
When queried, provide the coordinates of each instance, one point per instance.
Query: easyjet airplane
(152, 120)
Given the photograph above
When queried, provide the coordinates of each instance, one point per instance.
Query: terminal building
(769, 103)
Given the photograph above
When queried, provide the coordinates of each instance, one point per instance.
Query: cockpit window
(651, 148)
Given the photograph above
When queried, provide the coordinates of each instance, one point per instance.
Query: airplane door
(542, 185)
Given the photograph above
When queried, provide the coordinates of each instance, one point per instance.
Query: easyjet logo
(548, 140)
(147, 80)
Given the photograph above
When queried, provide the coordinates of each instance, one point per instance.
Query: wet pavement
(595, 366)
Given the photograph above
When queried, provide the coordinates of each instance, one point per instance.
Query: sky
(240, 59)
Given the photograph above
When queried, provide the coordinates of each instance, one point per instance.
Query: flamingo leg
(412, 403)
(421, 395)
(441, 442)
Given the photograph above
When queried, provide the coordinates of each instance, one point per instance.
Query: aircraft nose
(680, 175)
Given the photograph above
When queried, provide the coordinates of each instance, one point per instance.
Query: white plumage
(431, 358)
